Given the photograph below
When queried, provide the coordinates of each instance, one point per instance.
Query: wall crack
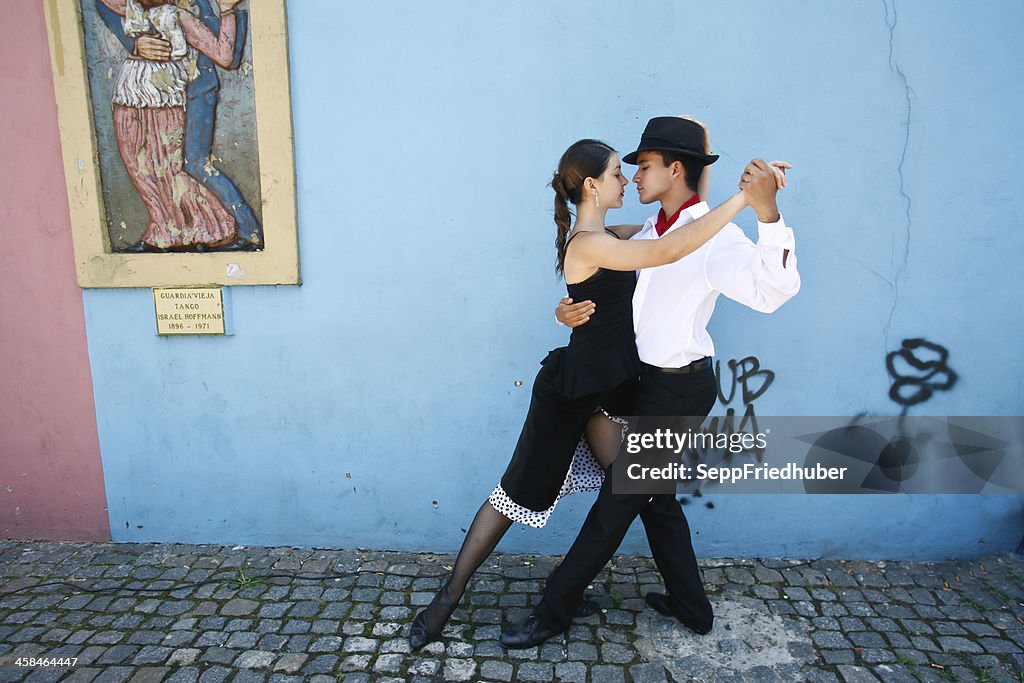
(891, 19)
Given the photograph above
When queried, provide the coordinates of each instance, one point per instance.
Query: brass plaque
(189, 310)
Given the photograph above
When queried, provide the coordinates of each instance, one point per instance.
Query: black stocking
(487, 529)
(605, 437)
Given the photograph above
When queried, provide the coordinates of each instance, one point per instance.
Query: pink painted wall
(51, 479)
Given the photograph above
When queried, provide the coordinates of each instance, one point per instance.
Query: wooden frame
(97, 265)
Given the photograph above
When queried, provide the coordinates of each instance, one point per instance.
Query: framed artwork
(175, 120)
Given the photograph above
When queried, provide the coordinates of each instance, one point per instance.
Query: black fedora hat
(673, 134)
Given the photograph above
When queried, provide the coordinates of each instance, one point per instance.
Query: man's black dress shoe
(663, 604)
(533, 631)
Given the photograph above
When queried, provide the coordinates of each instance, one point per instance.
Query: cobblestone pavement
(183, 613)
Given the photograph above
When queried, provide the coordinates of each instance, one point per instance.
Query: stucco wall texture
(377, 405)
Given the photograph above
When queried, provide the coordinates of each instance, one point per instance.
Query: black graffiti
(892, 460)
(918, 369)
(753, 382)
(749, 371)
(930, 374)
(747, 382)
(898, 454)
(726, 426)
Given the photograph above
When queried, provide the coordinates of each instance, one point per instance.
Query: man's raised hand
(760, 185)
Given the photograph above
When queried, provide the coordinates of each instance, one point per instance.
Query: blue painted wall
(341, 410)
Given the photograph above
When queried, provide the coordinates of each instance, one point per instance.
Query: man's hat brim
(706, 159)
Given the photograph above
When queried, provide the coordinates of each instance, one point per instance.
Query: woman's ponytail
(584, 159)
(563, 218)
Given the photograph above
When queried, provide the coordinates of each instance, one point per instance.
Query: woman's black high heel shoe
(420, 634)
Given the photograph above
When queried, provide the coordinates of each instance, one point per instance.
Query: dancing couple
(164, 109)
(639, 346)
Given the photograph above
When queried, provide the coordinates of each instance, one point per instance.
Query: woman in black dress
(576, 380)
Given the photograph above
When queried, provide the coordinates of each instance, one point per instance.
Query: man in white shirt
(672, 305)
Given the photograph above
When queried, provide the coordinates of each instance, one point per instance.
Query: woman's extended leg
(487, 529)
(532, 480)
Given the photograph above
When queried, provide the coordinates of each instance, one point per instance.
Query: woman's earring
(597, 199)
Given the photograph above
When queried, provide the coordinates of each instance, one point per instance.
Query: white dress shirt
(673, 303)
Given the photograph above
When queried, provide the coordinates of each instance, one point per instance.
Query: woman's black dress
(575, 380)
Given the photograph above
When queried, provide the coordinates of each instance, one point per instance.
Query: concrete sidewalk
(187, 613)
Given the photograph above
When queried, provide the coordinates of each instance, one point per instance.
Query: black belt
(699, 364)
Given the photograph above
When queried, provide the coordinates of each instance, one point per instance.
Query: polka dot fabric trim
(585, 474)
